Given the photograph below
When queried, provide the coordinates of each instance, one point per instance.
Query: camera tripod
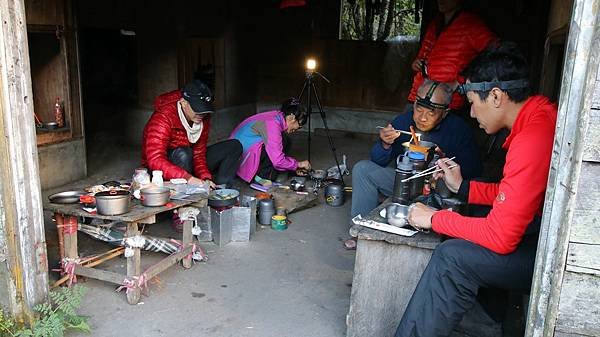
(311, 91)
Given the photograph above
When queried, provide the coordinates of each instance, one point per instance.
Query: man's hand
(196, 181)
(419, 216)
(452, 176)
(388, 135)
(417, 65)
(305, 164)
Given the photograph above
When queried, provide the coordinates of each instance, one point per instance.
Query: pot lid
(111, 193)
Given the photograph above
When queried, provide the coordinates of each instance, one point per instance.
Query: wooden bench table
(386, 272)
(66, 222)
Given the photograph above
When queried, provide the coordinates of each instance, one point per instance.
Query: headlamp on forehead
(487, 86)
(426, 101)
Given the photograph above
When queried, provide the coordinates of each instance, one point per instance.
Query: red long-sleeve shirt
(519, 196)
(164, 131)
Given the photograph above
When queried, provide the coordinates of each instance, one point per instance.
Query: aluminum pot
(334, 195)
(266, 209)
(113, 202)
(224, 197)
(155, 196)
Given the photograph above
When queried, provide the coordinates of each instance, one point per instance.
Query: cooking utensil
(51, 125)
(318, 174)
(224, 197)
(155, 196)
(66, 197)
(112, 202)
(296, 185)
(397, 214)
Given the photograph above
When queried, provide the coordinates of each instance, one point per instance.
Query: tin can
(279, 222)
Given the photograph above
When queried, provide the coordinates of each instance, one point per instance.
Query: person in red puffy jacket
(176, 136)
(450, 42)
(498, 250)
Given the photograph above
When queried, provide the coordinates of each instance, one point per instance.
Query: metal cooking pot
(318, 174)
(334, 195)
(296, 185)
(224, 197)
(266, 209)
(155, 196)
(113, 202)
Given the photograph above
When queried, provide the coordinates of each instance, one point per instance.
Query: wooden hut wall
(580, 293)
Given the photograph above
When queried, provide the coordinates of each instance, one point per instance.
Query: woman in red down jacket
(450, 42)
(176, 136)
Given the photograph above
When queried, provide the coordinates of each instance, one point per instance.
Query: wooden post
(23, 260)
(133, 264)
(186, 242)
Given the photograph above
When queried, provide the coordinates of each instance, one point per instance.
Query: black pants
(449, 285)
(222, 159)
(265, 167)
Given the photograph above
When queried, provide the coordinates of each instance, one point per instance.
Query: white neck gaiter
(194, 131)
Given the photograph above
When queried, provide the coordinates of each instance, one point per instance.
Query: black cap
(199, 96)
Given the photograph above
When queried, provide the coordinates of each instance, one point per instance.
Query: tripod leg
(324, 119)
(306, 84)
(309, 111)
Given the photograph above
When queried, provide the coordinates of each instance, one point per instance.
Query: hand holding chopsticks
(402, 131)
(430, 170)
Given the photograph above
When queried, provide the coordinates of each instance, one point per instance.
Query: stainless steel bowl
(51, 125)
(66, 197)
(397, 214)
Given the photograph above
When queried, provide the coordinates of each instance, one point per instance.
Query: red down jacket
(520, 194)
(449, 53)
(164, 131)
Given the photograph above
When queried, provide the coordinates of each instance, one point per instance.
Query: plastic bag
(334, 173)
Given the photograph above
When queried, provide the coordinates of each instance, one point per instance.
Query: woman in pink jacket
(265, 141)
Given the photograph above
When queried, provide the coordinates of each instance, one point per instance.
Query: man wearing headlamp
(498, 250)
(431, 118)
(176, 136)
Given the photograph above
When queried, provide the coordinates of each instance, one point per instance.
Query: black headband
(487, 86)
(426, 101)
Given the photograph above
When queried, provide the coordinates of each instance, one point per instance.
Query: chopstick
(401, 131)
(430, 170)
(419, 175)
(414, 135)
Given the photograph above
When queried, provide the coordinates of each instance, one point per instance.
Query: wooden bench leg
(133, 265)
(187, 241)
(69, 230)
(61, 238)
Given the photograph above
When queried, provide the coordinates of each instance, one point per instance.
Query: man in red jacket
(175, 139)
(450, 42)
(497, 250)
